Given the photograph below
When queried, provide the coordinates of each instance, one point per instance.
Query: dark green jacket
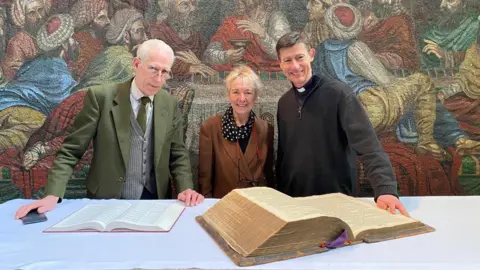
(105, 118)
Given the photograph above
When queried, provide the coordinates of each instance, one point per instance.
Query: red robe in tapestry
(417, 175)
(164, 32)
(56, 127)
(255, 54)
(467, 112)
(394, 35)
(89, 47)
(20, 49)
(52, 134)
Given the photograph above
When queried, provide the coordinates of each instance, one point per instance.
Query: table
(455, 244)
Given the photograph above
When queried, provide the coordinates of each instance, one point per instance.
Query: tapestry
(414, 65)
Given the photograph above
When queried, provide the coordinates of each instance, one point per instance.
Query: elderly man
(39, 85)
(137, 134)
(113, 64)
(28, 16)
(175, 27)
(257, 21)
(90, 18)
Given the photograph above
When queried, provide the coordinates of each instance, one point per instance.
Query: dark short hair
(291, 39)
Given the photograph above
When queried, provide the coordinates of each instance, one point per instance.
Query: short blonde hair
(247, 73)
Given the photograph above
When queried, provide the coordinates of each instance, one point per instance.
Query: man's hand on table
(190, 197)
(391, 203)
(44, 205)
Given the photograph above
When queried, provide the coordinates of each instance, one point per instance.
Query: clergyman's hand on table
(190, 197)
(391, 203)
(44, 205)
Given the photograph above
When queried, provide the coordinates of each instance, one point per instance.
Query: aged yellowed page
(243, 224)
(279, 204)
(359, 214)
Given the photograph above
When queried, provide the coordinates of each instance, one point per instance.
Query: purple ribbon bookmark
(340, 241)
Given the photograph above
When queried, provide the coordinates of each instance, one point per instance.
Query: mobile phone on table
(33, 217)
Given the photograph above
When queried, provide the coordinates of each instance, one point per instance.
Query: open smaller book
(147, 216)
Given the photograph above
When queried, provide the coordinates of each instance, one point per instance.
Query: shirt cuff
(386, 190)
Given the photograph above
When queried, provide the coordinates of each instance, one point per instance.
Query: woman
(236, 148)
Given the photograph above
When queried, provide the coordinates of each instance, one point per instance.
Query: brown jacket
(223, 166)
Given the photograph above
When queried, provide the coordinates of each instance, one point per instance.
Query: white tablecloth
(454, 246)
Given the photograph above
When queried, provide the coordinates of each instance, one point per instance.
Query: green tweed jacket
(105, 118)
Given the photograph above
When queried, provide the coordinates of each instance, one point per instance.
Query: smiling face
(152, 73)
(295, 62)
(242, 96)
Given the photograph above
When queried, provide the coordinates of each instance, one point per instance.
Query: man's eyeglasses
(166, 74)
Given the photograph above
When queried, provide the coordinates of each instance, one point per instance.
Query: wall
(422, 57)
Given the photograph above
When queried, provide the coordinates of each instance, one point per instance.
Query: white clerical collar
(136, 93)
(308, 85)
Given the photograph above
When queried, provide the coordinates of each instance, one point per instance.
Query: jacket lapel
(231, 149)
(121, 111)
(241, 160)
(251, 151)
(244, 166)
(159, 124)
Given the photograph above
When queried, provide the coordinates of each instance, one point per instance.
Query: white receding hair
(146, 48)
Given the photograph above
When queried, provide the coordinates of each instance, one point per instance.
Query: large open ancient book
(259, 225)
(148, 216)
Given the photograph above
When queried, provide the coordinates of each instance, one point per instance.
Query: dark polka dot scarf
(231, 131)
